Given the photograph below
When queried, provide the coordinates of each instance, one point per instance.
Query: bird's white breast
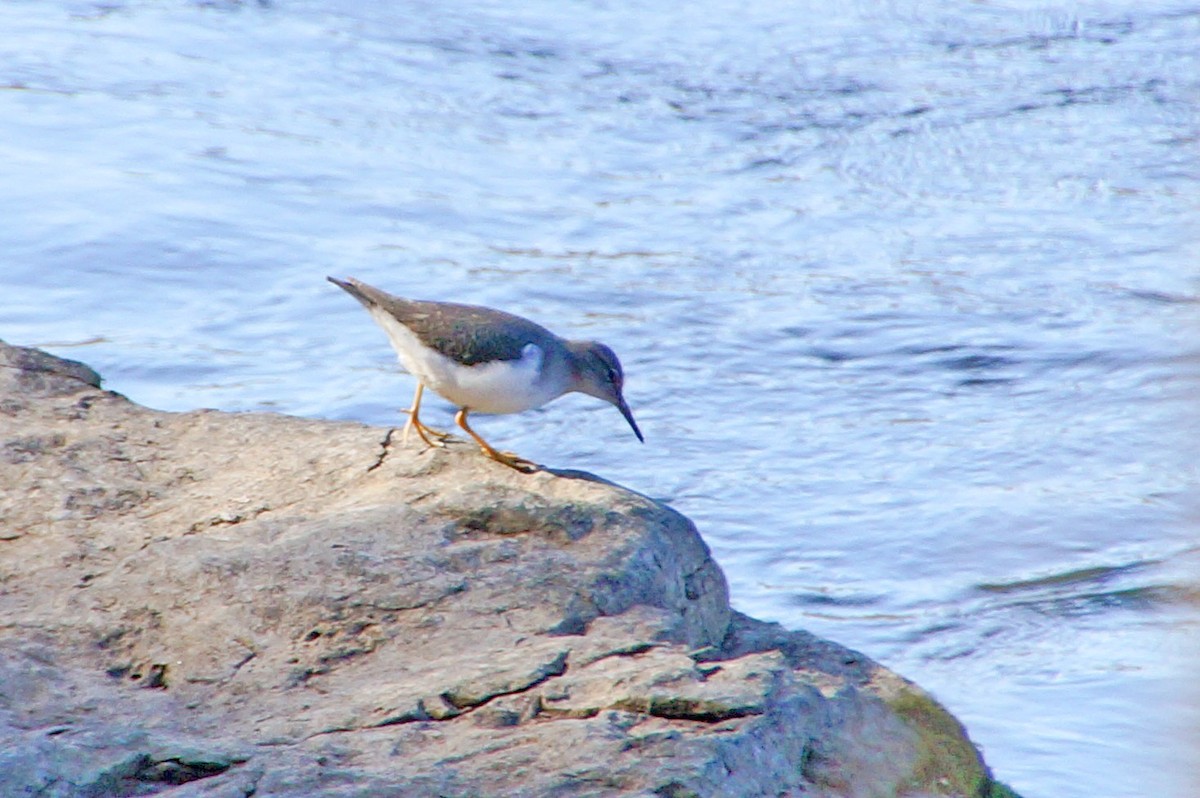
(503, 386)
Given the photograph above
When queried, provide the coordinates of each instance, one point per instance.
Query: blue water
(906, 293)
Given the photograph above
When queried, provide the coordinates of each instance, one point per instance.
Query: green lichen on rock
(947, 761)
(997, 790)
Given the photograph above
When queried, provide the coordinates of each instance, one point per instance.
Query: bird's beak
(625, 411)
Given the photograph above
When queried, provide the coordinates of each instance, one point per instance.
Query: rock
(218, 604)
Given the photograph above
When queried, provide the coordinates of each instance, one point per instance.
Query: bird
(487, 361)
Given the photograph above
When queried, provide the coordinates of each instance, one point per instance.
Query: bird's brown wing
(469, 334)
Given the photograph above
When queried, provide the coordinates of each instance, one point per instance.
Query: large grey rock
(227, 604)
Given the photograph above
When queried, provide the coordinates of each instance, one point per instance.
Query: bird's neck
(573, 364)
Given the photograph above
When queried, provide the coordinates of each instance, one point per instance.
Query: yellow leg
(414, 422)
(508, 458)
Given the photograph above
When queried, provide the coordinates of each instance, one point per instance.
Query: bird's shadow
(587, 476)
(573, 473)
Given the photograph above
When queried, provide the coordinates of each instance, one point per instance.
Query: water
(905, 292)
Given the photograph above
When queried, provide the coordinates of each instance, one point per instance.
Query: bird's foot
(512, 461)
(423, 432)
(508, 458)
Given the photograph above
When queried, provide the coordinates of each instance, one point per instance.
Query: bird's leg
(508, 458)
(414, 422)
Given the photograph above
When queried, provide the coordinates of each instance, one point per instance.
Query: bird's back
(468, 334)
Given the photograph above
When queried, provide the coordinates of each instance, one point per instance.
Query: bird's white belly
(503, 386)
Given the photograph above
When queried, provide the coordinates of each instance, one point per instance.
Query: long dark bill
(625, 411)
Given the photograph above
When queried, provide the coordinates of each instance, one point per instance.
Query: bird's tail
(361, 291)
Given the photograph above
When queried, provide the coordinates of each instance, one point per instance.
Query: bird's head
(599, 374)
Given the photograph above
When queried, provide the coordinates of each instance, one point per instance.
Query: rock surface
(215, 604)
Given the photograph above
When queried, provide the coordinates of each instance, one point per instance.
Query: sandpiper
(488, 361)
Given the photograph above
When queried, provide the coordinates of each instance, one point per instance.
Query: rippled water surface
(905, 292)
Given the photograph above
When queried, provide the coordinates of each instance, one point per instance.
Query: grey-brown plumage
(468, 334)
